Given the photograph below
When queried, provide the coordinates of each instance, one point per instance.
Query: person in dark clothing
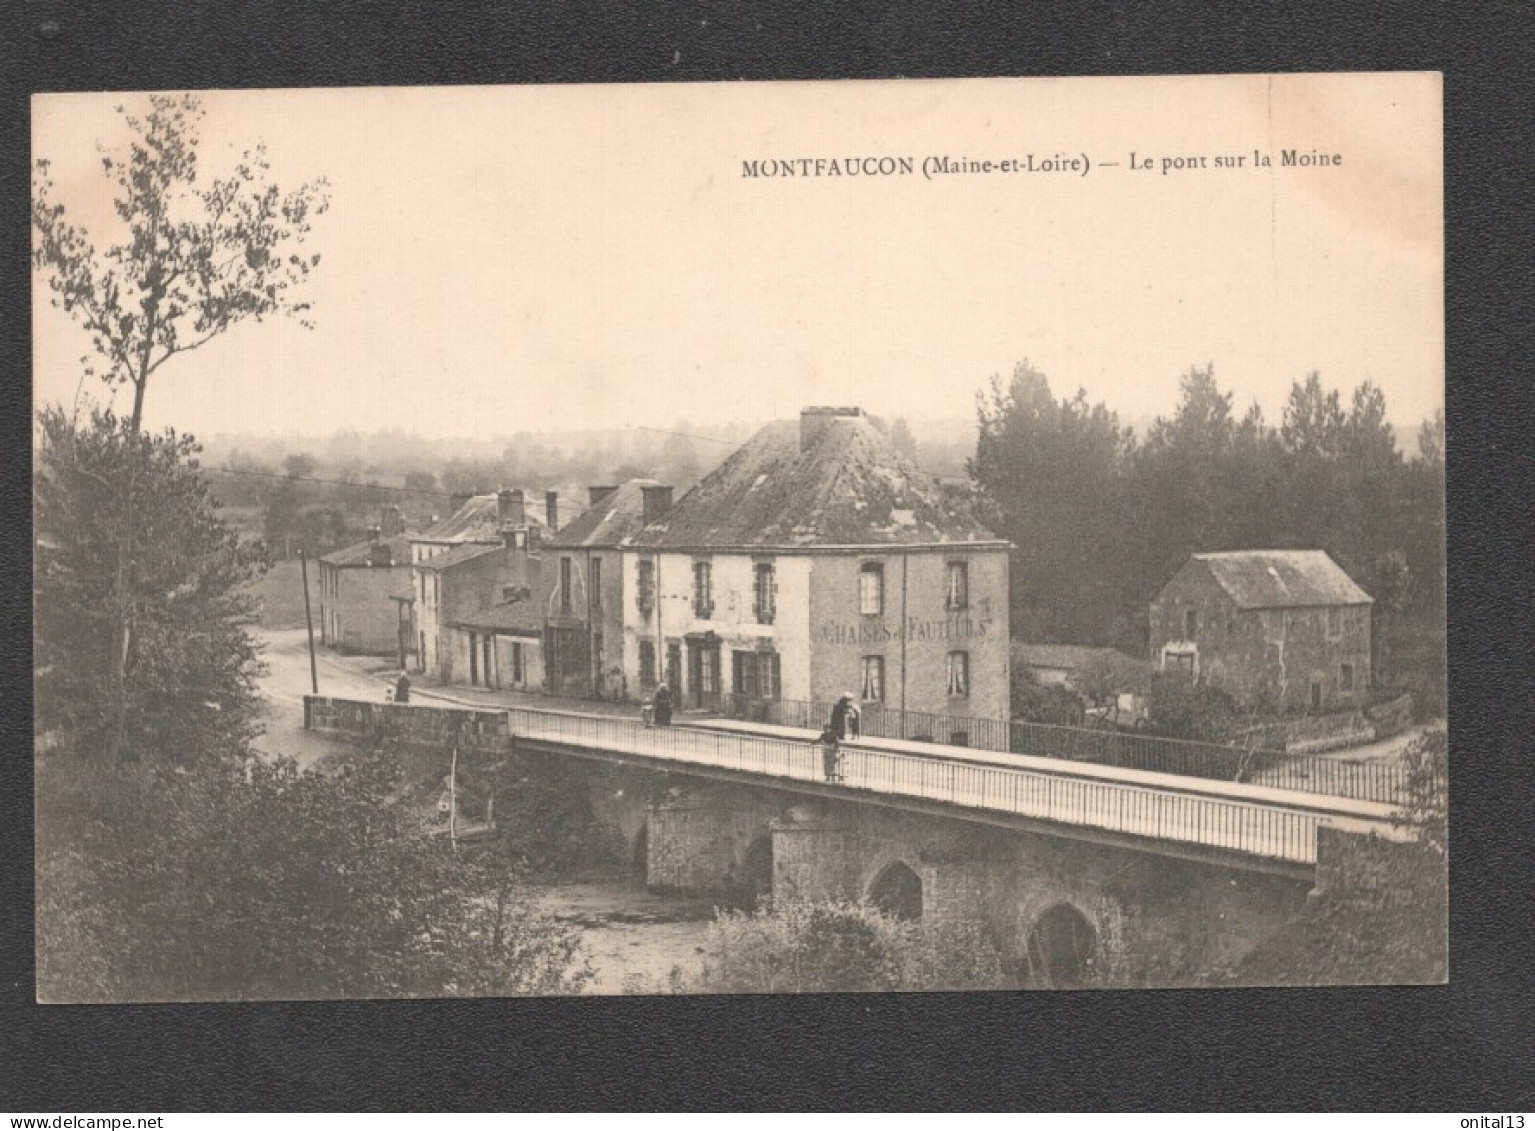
(844, 718)
(831, 754)
(402, 689)
(661, 705)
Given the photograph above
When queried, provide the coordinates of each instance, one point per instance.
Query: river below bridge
(635, 941)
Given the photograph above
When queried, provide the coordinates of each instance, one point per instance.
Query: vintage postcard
(744, 538)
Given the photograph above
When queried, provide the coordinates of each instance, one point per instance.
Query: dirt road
(286, 653)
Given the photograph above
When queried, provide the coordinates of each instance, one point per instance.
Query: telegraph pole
(314, 672)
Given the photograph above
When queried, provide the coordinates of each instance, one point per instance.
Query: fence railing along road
(1101, 746)
(1254, 828)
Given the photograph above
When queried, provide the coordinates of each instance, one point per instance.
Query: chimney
(657, 501)
(552, 509)
(595, 495)
(390, 522)
(814, 421)
(510, 508)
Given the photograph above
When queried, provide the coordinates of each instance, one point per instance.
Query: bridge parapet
(421, 724)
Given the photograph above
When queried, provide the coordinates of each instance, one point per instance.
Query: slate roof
(1066, 656)
(848, 488)
(361, 554)
(1283, 579)
(450, 558)
(517, 618)
(612, 522)
(479, 520)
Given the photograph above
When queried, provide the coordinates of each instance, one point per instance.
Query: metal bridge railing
(1252, 828)
(1100, 745)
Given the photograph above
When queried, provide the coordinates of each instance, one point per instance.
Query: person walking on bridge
(661, 705)
(844, 718)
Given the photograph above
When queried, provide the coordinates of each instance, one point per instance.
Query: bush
(263, 882)
(809, 947)
(1032, 703)
(1176, 708)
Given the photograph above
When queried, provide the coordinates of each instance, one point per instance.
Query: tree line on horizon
(1101, 518)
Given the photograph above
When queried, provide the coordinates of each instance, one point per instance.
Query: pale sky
(506, 258)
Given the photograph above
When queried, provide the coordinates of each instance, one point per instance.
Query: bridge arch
(897, 891)
(758, 869)
(1061, 948)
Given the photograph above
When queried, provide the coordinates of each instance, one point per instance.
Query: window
(957, 596)
(755, 675)
(1190, 624)
(764, 593)
(959, 675)
(1345, 677)
(518, 673)
(871, 590)
(645, 587)
(436, 589)
(564, 585)
(595, 582)
(647, 662)
(474, 658)
(1334, 623)
(873, 678)
(703, 590)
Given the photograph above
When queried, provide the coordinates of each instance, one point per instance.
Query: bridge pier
(713, 841)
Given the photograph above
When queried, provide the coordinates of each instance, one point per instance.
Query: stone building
(583, 586)
(355, 585)
(819, 560)
(486, 554)
(1278, 628)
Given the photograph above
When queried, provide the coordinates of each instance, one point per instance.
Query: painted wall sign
(915, 629)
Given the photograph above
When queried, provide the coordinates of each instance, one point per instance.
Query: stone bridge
(1062, 890)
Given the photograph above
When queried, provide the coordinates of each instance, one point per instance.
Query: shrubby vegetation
(264, 881)
(1387, 922)
(806, 947)
(172, 863)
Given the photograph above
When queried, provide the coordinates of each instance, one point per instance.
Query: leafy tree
(127, 534)
(1384, 920)
(190, 262)
(269, 882)
(678, 462)
(902, 439)
(1049, 472)
(193, 260)
(424, 481)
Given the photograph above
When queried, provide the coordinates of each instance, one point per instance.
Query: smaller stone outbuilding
(501, 647)
(354, 588)
(1286, 629)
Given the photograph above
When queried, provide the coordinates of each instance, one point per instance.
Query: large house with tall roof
(1278, 628)
(818, 560)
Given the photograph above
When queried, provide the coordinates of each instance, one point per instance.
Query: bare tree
(193, 261)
